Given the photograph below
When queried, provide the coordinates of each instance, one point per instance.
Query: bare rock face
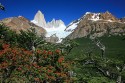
(107, 16)
(97, 29)
(55, 23)
(21, 23)
(98, 24)
(39, 19)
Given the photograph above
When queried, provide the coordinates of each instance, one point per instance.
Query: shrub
(17, 63)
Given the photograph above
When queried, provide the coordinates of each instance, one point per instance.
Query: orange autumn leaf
(38, 51)
(61, 59)
(58, 51)
(50, 53)
(5, 46)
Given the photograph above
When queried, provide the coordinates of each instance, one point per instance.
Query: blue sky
(67, 10)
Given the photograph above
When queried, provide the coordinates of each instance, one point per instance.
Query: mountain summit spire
(53, 27)
(39, 19)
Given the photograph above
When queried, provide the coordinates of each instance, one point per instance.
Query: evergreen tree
(29, 39)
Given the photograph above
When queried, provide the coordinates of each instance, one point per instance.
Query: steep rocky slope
(21, 23)
(97, 25)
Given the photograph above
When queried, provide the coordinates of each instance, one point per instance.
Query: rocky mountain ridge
(21, 23)
(107, 16)
(96, 25)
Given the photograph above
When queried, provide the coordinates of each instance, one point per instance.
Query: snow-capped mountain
(107, 16)
(90, 24)
(96, 25)
(70, 28)
(56, 27)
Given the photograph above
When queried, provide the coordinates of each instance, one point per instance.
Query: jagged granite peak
(56, 27)
(55, 23)
(39, 19)
(53, 27)
(21, 23)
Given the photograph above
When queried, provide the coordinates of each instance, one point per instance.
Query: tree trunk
(34, 57)
(119, 79)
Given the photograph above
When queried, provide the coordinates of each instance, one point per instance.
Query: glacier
(53, 27)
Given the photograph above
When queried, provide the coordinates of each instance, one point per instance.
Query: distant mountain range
(89, 25)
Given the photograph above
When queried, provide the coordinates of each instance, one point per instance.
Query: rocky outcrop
(98, 24)
(107, 16)
(97, 29)
(21, 23)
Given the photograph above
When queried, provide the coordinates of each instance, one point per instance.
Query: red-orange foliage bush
(48, 65)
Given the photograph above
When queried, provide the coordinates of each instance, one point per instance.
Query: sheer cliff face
(56, 27)
(39, 19)
(55, 23)
(98, 24)
(21, 23)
